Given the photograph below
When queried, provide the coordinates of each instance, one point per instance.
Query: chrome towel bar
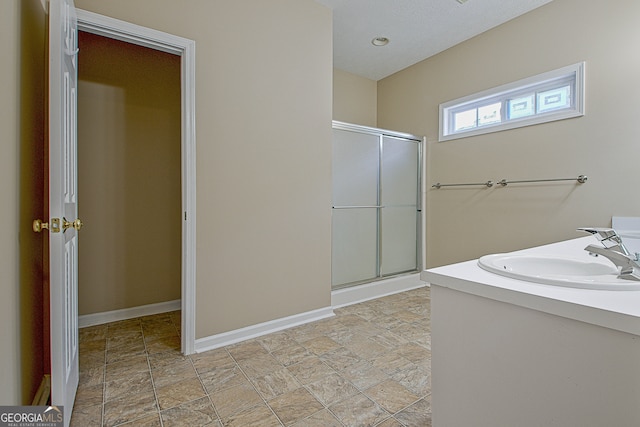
(487, 184)
(581, 179)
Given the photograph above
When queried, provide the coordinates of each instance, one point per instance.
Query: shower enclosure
(377, 209)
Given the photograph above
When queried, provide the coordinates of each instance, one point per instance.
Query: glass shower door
(400, 211)
(376, 205)
(355, 215)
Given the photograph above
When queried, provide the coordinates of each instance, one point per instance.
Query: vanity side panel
(496, 364)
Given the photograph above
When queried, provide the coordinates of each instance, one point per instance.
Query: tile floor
(367, 366)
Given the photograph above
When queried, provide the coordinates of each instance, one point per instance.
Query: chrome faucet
(614, 250)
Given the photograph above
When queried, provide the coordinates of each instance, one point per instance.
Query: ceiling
(417, 29)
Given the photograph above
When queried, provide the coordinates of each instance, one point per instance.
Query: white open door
(63, 209)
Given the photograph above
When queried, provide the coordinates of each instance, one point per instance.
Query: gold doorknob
(53, 226)
(38, 225)
(77, 224)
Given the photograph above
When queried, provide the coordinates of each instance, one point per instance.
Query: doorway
(128, 178)
(185, 49)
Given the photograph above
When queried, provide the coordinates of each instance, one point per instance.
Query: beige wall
(263, 124)
(22, 24)
(129, 184)
(9, 172)
(468, 222)
(354, 99)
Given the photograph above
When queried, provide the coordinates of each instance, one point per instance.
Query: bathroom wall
(465, 223)
(22, 78)
(9, 174)
(354, 99)
(263, 125)
(129, 181)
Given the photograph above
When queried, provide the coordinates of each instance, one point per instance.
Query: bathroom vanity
(509, 352)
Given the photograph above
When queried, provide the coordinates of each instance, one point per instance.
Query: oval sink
(559, 271)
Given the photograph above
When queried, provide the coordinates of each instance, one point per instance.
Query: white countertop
(619, 310)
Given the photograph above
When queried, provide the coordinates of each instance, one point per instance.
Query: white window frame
(572, 75)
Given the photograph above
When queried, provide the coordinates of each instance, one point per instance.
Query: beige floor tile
(320, 345)
(275, 383)
(179, 392)
(95, 346)
(331, 389)
(390, 363)
(137, 383)
(260, 365)
(359, 411)
(416, 378)
(246, 350)
(125, 352)
(192, 414)
(173, 373)
(292, 354)
(322, 418)
(374, 369)
(211, 359)
(388, 340)
(340, 358)
(258, 416)
(127, 339)
(91, 333)
(351, 320)
(86, 416)
(150, 421)
(166, 358)
(91, 359)
(89, 395)
(92, 376)
(414, 353)
(129, 408)
(294, 406)
(391, 395)
(153, 324)
(365, 348)
(310, 370)
(123, 326)
(309, 331)
(418, 414)
(223, 377)
(233, 400)
(163, 343)
(123, 369)
(392, 422)
(364, 375)
(276, 341)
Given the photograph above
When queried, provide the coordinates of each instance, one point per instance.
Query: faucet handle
(600, 233)
(607, 236)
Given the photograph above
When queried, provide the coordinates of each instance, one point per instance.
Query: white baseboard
(253, 331)
(381, 288)
(127, 313)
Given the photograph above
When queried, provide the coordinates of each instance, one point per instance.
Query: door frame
(185, 48)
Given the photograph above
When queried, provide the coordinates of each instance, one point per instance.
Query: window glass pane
(555, 95)
(554, 99)
(464, 120)
(521, 107)
(490, 114)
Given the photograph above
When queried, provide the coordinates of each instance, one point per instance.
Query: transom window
(550, 96)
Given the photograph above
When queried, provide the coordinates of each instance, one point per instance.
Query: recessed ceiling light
(380, 41)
